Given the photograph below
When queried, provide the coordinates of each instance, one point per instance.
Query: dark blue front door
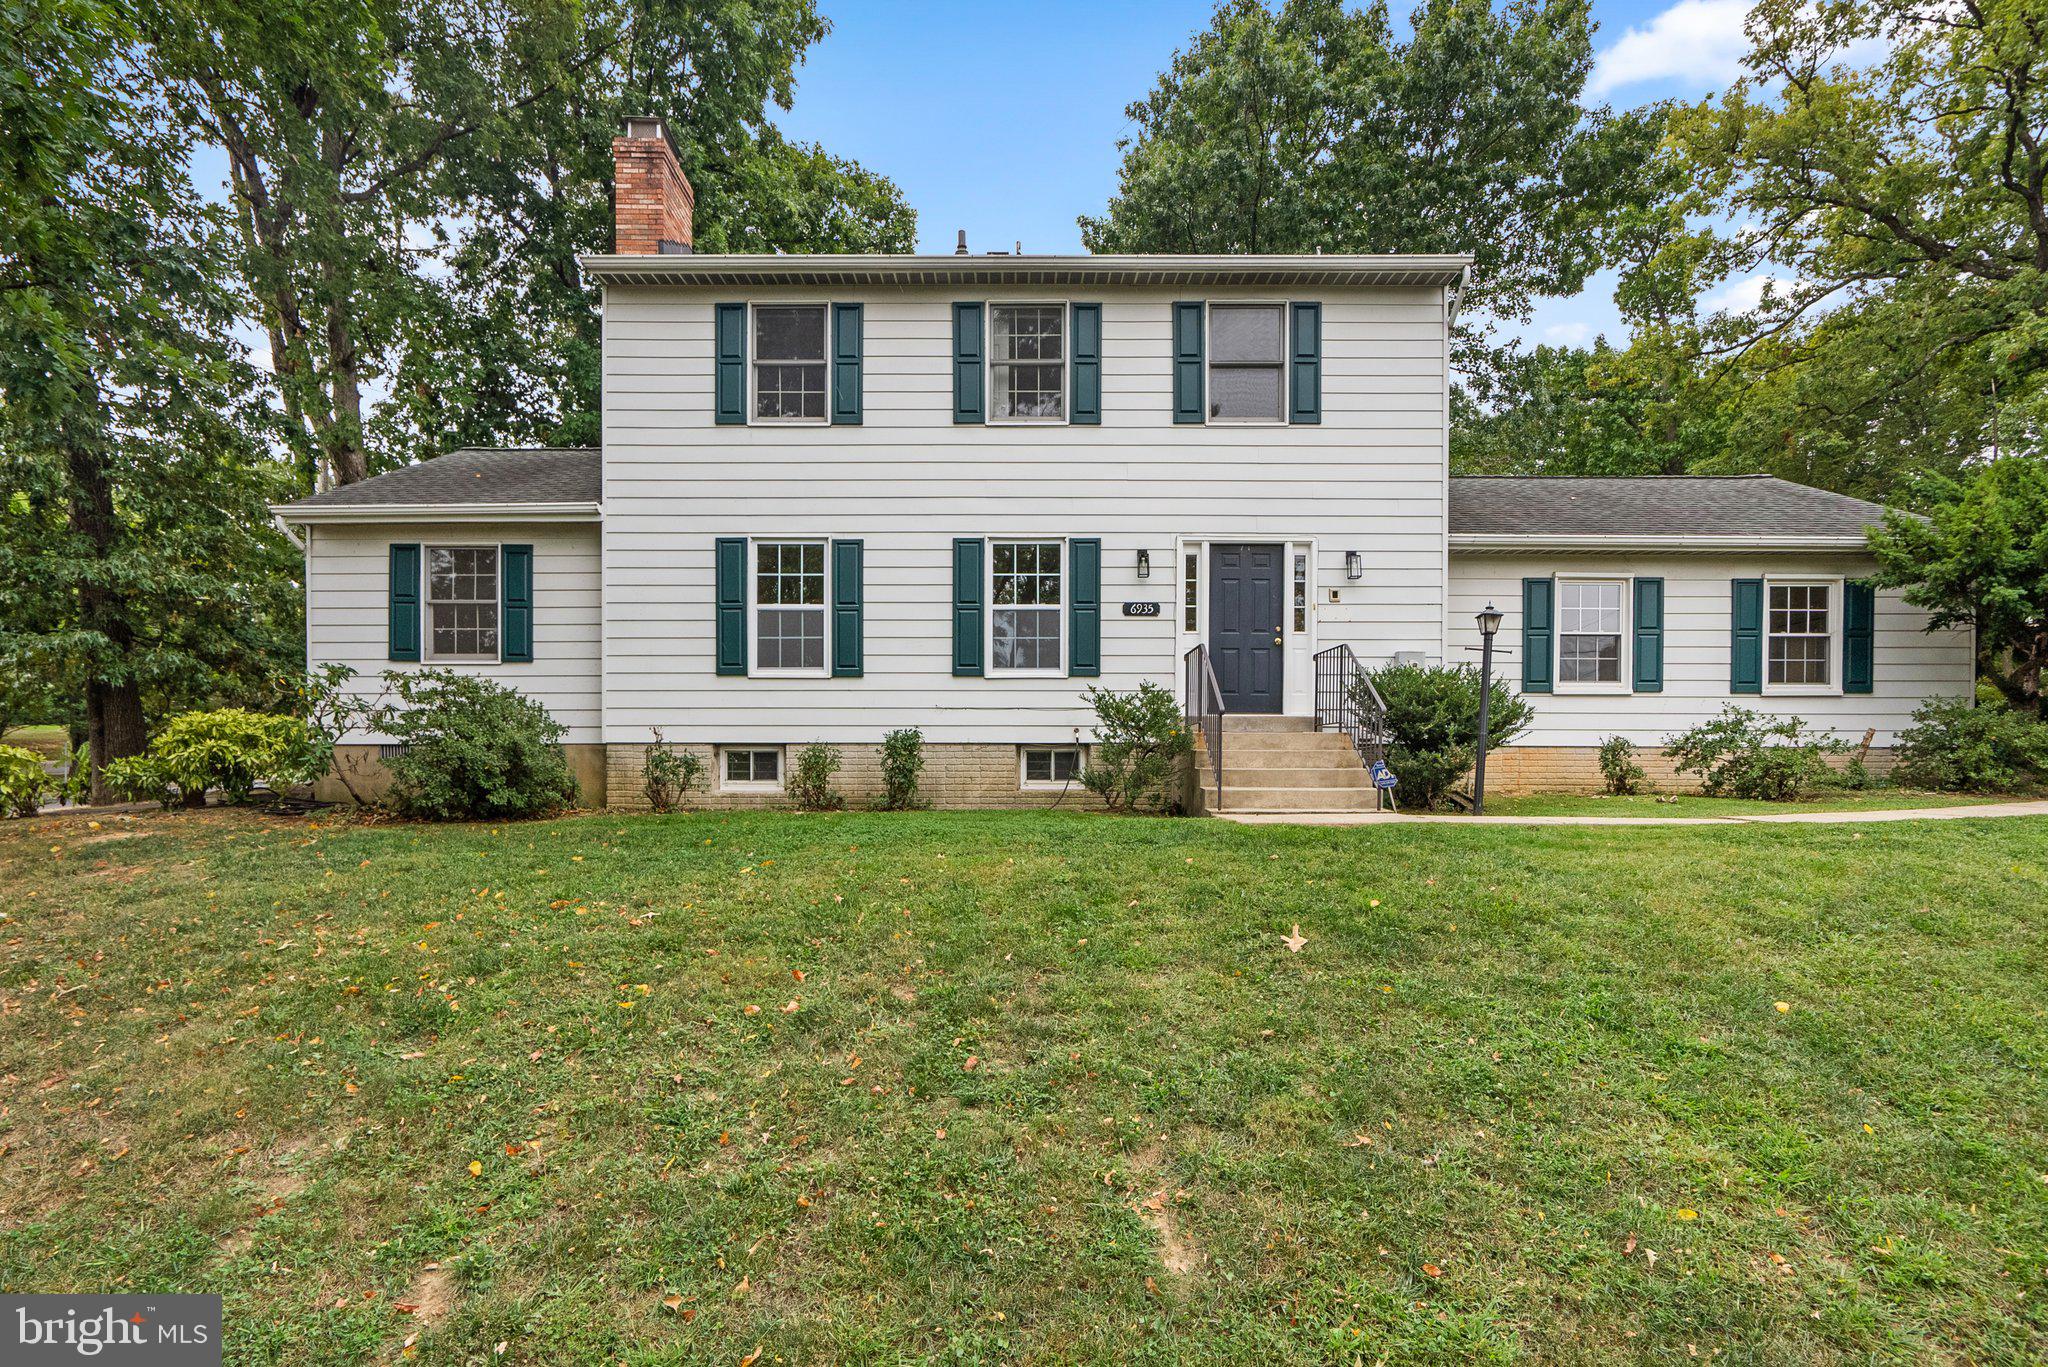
(1244, 624)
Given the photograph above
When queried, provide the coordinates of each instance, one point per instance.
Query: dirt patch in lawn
(431, 1295)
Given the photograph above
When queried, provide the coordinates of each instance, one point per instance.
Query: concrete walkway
(1974, 812)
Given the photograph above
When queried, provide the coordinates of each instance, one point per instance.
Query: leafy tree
(1980, 559)
(1313, 127)
(1897, 206)
(1566, 411)
(137, 567)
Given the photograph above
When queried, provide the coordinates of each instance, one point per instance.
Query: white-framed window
(1590, 614)
(1048, 766)
(789, 369)
(1027, 362)
(750, 767)
(788, 591)
(1799, 634)
(1247, 362)
(1191, 590)
(462, 603)
(1027, 618)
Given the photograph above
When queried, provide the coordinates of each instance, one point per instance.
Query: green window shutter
(1085, 405)
(1649, 642)
(1084, 607)
(729, 366)
(405, 602)
(1859, 637)
(1538, 633)
(848, 608)
(846, 353)
(1305, 365)
(1746, 657)
(732, 604)
(1188, 403)
(967, 553)
(967, 373)
(515, 604)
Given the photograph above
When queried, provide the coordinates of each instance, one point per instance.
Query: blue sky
(944, 100)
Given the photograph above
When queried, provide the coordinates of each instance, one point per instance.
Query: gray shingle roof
(475, 475)
(1677, 505)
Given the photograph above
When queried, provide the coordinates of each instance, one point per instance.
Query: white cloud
(1568, 334)
(1740, 296)
(1698, 41)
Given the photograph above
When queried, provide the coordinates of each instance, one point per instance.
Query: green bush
(1140, 738)
(810, 779)
(1744, 754)
(1989, 748)
(1433, 724)
(472, 749)
(902, 762)
(231, 749)
(1619, 768)
(670, 773)
(24, 787)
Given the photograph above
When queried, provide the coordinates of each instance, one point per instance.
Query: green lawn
(1649, 804)
(1034, 1087)
(48, 741)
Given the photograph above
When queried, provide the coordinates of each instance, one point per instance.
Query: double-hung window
(1800, 650)
(462, 603)
(789, 607)
(1027, 614)
(1027, 362)
(1247, 362)
(1589, 631)
(789, 363)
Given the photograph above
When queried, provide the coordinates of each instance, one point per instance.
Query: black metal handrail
(1204, 708)
(1346, 701)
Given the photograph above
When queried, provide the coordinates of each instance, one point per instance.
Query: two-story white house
(839, 495)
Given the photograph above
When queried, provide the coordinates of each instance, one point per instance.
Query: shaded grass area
(48, 741)
(1033, 1087)
(1676, 804)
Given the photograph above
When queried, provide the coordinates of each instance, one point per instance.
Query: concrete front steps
(1283, 764)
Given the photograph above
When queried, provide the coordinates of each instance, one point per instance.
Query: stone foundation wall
(955, 776)
(369, 777)
(1519, 769)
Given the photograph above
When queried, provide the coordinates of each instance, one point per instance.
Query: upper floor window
(1801, 635)
(462, 602)
(1247, 356)
(789, 607)
(789, 362)
(1589, 631)
(1027, 362)
(1027, 620)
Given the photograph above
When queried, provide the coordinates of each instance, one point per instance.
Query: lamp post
(1489, 625)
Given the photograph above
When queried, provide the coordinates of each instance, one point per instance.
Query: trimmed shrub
(473, 749)
(1619, 768)
(1744, 754)
(810, 779)
(1433, 724)
(231, 749)
(1989, 748)
(1140, 737)
(671, 773)
(902, 762)
(24, 787)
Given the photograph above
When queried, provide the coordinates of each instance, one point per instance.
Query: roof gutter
(1458, 296)
(1511, 541)
(876, 268)
(439, 512)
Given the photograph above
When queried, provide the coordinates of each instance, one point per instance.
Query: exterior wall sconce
(1144, 564)
(1354, 565)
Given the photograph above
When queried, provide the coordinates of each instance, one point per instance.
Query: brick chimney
(652, 202)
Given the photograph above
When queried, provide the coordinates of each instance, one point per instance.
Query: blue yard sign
(1382, 776)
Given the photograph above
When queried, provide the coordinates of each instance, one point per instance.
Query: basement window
(757, 768)
(1049, 766)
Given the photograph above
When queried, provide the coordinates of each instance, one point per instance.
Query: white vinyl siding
(1911, 663)
(348, 585)
(908, 480)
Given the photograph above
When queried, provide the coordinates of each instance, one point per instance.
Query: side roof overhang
(1679, 514)
(740, 270)
(532, 484)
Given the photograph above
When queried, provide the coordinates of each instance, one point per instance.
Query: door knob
(1276, 640)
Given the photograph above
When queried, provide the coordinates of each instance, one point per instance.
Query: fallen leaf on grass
(673, 1302)
(1629, 1247)
(750, 1359)
(1295, 941)
(1432, 1270)
(476, 1169)
(1686, 1213)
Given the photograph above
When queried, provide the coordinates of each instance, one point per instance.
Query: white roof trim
(1509, 541)
(761, 268)
(440, 512)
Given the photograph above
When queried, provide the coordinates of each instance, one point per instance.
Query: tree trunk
(113, 699)
(113, 728)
